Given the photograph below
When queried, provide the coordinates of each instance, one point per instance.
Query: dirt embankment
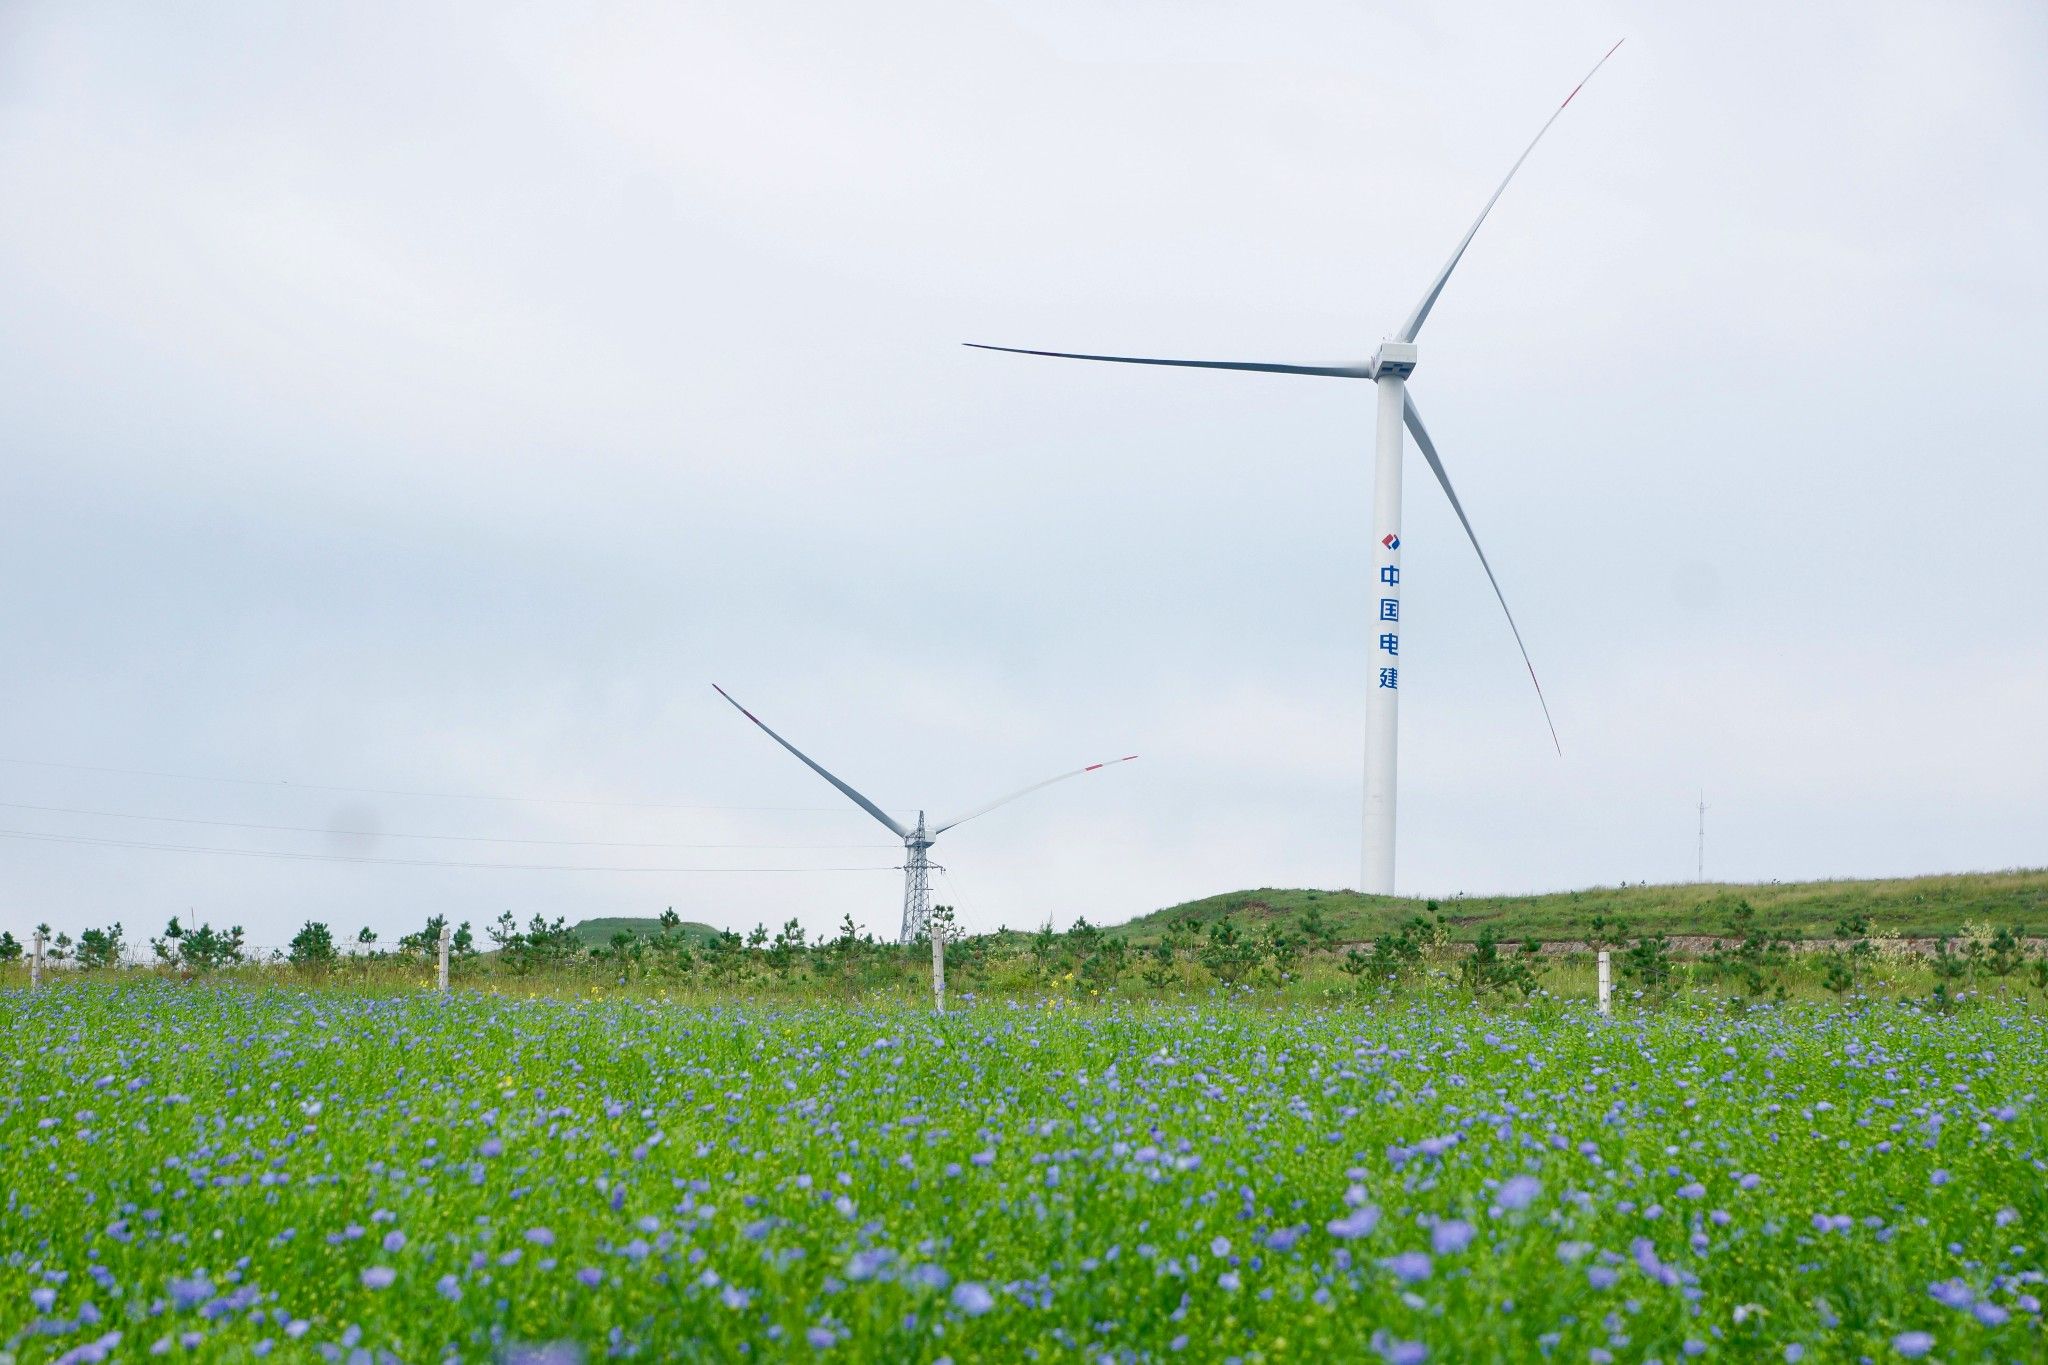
(1699, 945)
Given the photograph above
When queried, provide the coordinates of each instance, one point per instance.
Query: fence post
(1606, 986)
(35, 960)
(938, 966)
(441, 976)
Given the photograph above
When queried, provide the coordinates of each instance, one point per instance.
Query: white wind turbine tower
(1389, 370)
(917, 841)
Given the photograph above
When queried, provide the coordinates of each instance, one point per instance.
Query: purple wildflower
(1450, 1238)
(1913, 1345)
(1519, 1192)
(1399, 1352)
(1358, 1223)
(546, 1353)
(868, 1263)
(379, 1277)
(1410, 1267)
(972, 1298)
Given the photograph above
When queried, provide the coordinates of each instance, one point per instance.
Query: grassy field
(1914, 906)
(219, 1173)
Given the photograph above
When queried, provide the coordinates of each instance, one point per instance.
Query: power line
(387, 791)
(388, 834)
(397, 862)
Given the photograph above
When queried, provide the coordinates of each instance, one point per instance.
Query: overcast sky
(438, 399)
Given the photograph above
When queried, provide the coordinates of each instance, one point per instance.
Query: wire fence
(47, 955)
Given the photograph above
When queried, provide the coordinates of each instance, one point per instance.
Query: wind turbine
(917, 841)
(1389, 370)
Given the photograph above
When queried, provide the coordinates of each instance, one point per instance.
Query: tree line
(1746, 963)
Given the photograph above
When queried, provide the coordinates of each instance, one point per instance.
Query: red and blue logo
(1392, 542)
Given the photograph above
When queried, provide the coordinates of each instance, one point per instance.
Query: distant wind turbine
(917, 841)
(1389, 370)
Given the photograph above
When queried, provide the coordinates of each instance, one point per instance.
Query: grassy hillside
(597, 933)
(1914, 906)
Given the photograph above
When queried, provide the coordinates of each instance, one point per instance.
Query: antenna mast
(1700, 872)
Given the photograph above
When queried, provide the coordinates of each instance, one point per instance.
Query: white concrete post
(35, 960)
(447, 936)
(938, 964)
(1606, 986)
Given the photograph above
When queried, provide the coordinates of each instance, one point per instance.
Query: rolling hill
(1910, 906)
(597, 933)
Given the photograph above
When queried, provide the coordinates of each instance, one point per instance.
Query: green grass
(1912, 906)
(212, 1168)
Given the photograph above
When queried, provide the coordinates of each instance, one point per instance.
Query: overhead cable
(399, 862)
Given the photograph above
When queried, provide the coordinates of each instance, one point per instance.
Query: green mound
(597, 933)
(1909, 906)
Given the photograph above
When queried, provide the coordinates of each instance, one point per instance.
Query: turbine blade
(1035, 786)
(870, 807)
(1327, 371)
(1416, 318)
(1436, 466)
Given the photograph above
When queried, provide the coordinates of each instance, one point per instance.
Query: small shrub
(1484, 970)
(204, 949)
(1647, 963)
(1162, 960)
(1758, 959)
(312, 948)
(1227, 955)
(99, 949)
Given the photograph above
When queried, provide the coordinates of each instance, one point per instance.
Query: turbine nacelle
(1394, 358)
